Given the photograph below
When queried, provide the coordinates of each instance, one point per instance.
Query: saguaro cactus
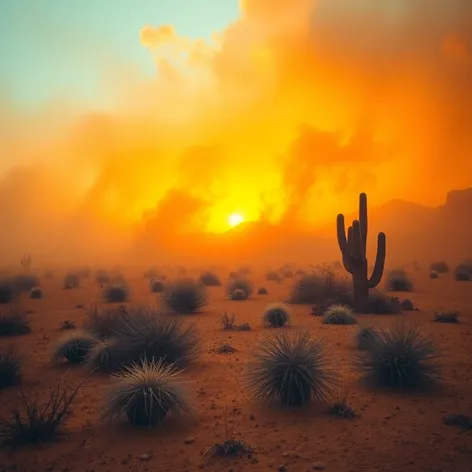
(353, 250)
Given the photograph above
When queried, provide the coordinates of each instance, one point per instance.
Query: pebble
(145, 457)
(189, 440)
(318, 466)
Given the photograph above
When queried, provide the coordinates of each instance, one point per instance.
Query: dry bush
(14, 322)
(116, 293)
(185, 296)
(398, 281)
(239, 283)
(73, 347)
(209, 279)
(276, 315)
(339, 315)
(10, 366)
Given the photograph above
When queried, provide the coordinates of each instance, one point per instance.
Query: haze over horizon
(123, 119)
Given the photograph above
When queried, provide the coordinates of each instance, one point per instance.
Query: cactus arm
(363, 217)
(350, 246)
(357, 241)
(341, 230)
(377, 273)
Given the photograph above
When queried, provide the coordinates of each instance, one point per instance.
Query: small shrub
(10, 367)
(291, 370)
(340, 408)
(238, 295)
(276, 316)
(262, 291)
(400, 357)
(66, 325)
(74, 347)
(36, 293)
(446, 317)
(146, 393)
(104, 323)
(157, 286)
(23, 283)
(463, 272)
(364, 337)
(322, 285)
(407, 305)
(339, 315)
(243, 327)
(461, 420)
(185, 296)
(381, 304)
(228, 321)
(231, 446)
(433, 275)
(398, 281)
(14, 323)
(239, 284)
(440, 267)
(33, 422)
(6, 292)
(225, 349)
(273, 276)
(209, 279)
(116, 293)
(143, 332)
(71, 281)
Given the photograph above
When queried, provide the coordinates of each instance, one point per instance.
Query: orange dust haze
(282, 119)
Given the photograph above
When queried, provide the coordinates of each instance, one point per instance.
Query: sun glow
(235, 219)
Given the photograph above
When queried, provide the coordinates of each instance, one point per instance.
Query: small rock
(318, 466)
(189, 440)
(145, 457)
(281, 468)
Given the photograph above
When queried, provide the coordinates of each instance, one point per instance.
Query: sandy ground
(395, 432)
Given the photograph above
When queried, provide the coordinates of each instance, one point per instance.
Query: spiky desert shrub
(209, 279)
(116, 293)
(146, 393)
(439, 267)
(262, 291)
(73, 347)
(407, 305)
(239, 283)
(108, 355)
(463, 272)
(71, 281)
(400, 357)
(273, 276)
(6, 292)
(380, 304)
(33, 422)
(339, 315)
(446, 317)
(157, 286)
(104, 323)
(238, 295)
(433, 275)
(243, 327)
(398, 281)
(185, 296)
(276, 315)
(364, 337)
(144, 332)
(459, 419)
(10, 366)
(320, 286)
(292, 370)
(14, 322)
(23, 283)
(228, 321)
(36, 293)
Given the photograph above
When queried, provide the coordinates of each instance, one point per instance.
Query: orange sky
(286, 116)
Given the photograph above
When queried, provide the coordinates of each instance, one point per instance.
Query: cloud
(284, 116)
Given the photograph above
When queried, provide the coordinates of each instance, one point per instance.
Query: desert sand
(394, 431)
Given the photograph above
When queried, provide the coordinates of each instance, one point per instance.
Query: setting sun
(235, 219)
